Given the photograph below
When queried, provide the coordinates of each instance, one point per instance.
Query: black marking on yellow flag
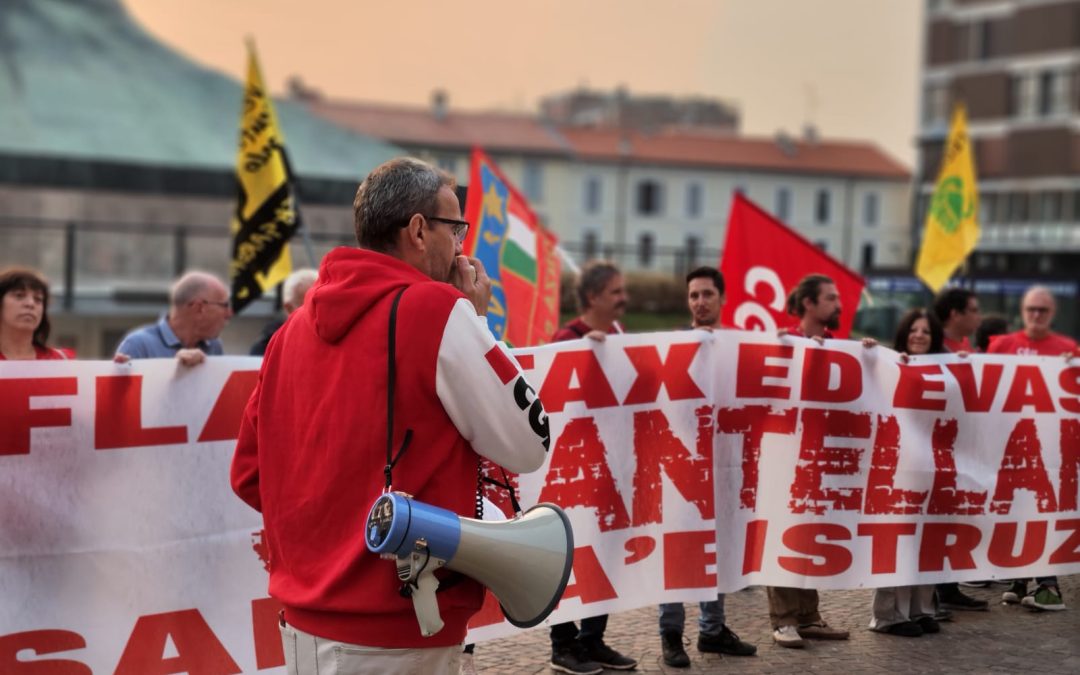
(259, 240)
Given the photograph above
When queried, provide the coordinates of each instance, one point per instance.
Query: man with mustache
(602, 299)
(794, 611)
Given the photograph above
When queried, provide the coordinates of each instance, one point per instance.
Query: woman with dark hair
(24, 320)
(909, 611)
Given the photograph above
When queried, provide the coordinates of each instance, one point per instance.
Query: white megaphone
(525, 561)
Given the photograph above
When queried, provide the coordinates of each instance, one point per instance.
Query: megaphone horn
(525, 561)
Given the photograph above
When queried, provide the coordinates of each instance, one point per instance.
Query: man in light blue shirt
(198, 311)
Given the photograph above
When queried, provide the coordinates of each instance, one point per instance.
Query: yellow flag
(952, 228)
(266, 215)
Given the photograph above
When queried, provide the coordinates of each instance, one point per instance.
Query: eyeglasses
(1037, 310)
(223, 305)
(459, 228)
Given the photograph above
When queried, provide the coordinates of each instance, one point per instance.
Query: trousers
(307, 654)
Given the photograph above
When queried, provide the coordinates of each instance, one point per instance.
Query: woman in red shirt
(24, 320)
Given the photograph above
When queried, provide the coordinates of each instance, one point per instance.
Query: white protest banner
(123, 549)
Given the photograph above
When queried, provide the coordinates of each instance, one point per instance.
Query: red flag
(763, 260)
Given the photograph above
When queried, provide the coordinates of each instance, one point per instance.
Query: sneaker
(788, 636)
(1016, 591)
(572, 659)
(726, 642)
(671, 645)
(467, 665)
(598, 652)
(905, 629)
(928, 624)
(822, 631)
(1046, 598)
(956, 599)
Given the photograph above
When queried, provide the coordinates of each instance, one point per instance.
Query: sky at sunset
(849, 66)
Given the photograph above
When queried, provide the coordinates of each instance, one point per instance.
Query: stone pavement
(1006, 639)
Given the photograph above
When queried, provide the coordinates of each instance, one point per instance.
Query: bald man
(198, 311)
(1037, 311)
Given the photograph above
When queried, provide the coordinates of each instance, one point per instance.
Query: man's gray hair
(191, 286)
(392, 194)
(302, 278)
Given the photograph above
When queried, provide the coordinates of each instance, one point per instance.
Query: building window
(447, 163)
(867, 257)
(1053, 93)
(648, 198)
(1024, 88)
(870, 209)
(693, 251)
(935, 104)
(821, 207)
(1076, 206)
(1049, 207)
(693, 200)
(978, 41)
(645, 250)
(533, 181)
(592, 245)
(592, 195)
(1018, 207)
(783, 204)
(988, 208)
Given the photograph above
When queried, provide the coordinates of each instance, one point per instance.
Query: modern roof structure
(81, 81)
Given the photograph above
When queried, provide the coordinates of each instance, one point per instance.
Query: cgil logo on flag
(517, 253)
(266, 215)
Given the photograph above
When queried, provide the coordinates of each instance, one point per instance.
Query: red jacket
(312, 443)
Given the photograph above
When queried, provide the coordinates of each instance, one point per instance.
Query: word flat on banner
(835, 466)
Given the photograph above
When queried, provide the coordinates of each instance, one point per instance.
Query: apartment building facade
(1015, 64)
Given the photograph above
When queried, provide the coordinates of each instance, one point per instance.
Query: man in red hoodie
(313, 440)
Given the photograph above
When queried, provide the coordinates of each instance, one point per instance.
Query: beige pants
(306, 654)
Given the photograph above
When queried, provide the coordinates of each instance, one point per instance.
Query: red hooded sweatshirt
(312, 443)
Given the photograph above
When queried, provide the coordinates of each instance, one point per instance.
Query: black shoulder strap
(391, 371)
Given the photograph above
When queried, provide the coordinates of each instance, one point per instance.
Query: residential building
(1015, 64)
(658, 201)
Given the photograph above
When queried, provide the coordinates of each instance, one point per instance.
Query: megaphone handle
(425, 605)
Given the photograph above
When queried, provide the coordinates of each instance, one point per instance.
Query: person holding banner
(341, 414)
(957, 313)
(957, 309)
(602, 298)
(705, 298)
(24, 317)
(908, 611)
(293, 291)
(794, 611)
(198, 311)
(1037, 310)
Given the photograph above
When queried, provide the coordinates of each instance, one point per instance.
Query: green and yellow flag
(266, 211)
(952, 228)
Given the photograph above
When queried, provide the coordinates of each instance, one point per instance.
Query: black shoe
(928, 624)
(675, 655)
(597, 651)
(726, 642)
(571, 658)
(905, 629)
(954, 598)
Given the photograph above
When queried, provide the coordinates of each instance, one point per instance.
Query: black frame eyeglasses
(458, 228)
